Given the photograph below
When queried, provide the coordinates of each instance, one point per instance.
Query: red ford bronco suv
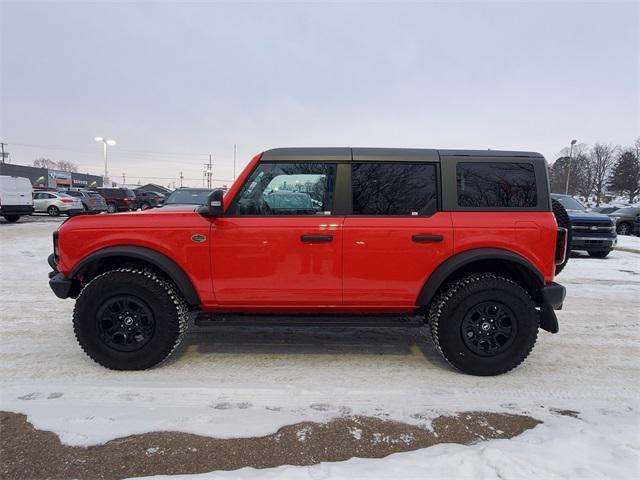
(464, 241)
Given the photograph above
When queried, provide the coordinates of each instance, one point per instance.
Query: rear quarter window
(496, 185)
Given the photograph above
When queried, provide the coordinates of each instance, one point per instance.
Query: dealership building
(48, 178)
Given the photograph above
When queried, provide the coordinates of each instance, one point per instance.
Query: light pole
(566, 185)
(110, 143)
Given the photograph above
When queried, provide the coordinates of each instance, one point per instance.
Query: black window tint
(393, 188)
(287, 189)
(496, 185)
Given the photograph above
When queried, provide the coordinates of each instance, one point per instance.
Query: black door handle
(316, 238)
(426, 238)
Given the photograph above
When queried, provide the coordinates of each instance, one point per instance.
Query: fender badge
(198, 238)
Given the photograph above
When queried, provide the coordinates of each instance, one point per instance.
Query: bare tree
(66, 166)
(602, 158)
(44, 163)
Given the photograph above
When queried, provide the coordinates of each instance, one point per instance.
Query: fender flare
(159, 260)
(449, 266)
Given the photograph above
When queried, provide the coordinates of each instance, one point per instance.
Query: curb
(625, 249)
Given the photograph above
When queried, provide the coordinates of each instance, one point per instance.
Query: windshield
(569, 203)
(188, 197)
(627, 211)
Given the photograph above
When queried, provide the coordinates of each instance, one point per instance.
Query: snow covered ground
(232, 382)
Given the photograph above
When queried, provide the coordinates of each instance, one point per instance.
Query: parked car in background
(55, 203)
(119, 199)
(92, 202)
(624, 218)
(636, 226)
(189, 196)
(591, 232)
(16, 197)
(148, 199)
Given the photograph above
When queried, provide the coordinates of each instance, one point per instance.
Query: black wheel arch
(480, 259)
(494, 260)
(133, 255)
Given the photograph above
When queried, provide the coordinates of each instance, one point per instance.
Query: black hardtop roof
(388, 154)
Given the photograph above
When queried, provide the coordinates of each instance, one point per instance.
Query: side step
(206, 319)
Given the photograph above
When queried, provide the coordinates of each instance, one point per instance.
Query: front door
(279, 244)
(395, 237)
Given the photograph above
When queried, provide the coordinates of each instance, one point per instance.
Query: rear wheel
(598, 253)
(484, 324)
(53, 211)
(111, 208)
(129, 319)
(12, 218)
(563, 220)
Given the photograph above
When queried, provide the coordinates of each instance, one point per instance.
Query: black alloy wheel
(489, 328)
(125, 323)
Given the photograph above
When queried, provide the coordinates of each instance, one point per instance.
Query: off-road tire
(53, 211)
(599, 253)
(452, 304)
(167, 305)
(12, 218)
(563, 220)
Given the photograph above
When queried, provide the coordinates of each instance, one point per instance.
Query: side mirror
(214, 206)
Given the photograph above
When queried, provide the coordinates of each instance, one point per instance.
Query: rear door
(396, 236)
(279, 243)
(9, 191)
(41, 201)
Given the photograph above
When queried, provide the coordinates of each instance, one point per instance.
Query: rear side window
(496, 185)
(287, 189)
(394, 188)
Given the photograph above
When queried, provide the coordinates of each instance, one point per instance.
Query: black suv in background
(148, 199)
(119, 199)
(624, 218)
(91, 201)
(594, 233)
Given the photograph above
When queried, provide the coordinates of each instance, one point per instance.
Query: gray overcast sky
(196, 78)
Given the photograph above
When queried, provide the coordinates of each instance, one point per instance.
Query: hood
(575, 215)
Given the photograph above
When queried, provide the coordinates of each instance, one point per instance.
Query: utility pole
(234, 162)
(208, 172)
(2, 158)
(566, 186)
(181, 177)
(124, 179)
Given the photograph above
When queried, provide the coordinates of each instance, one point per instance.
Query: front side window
(287, 189)
(393, 188)
(496, 185)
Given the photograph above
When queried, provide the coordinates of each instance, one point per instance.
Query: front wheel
(624, 228)
(144, 206)
(484, 324)
(53, 211)
(599, 253)
(129, 319)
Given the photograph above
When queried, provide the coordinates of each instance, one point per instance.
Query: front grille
(592, 229)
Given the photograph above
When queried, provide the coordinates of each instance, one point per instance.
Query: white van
(16, 197)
